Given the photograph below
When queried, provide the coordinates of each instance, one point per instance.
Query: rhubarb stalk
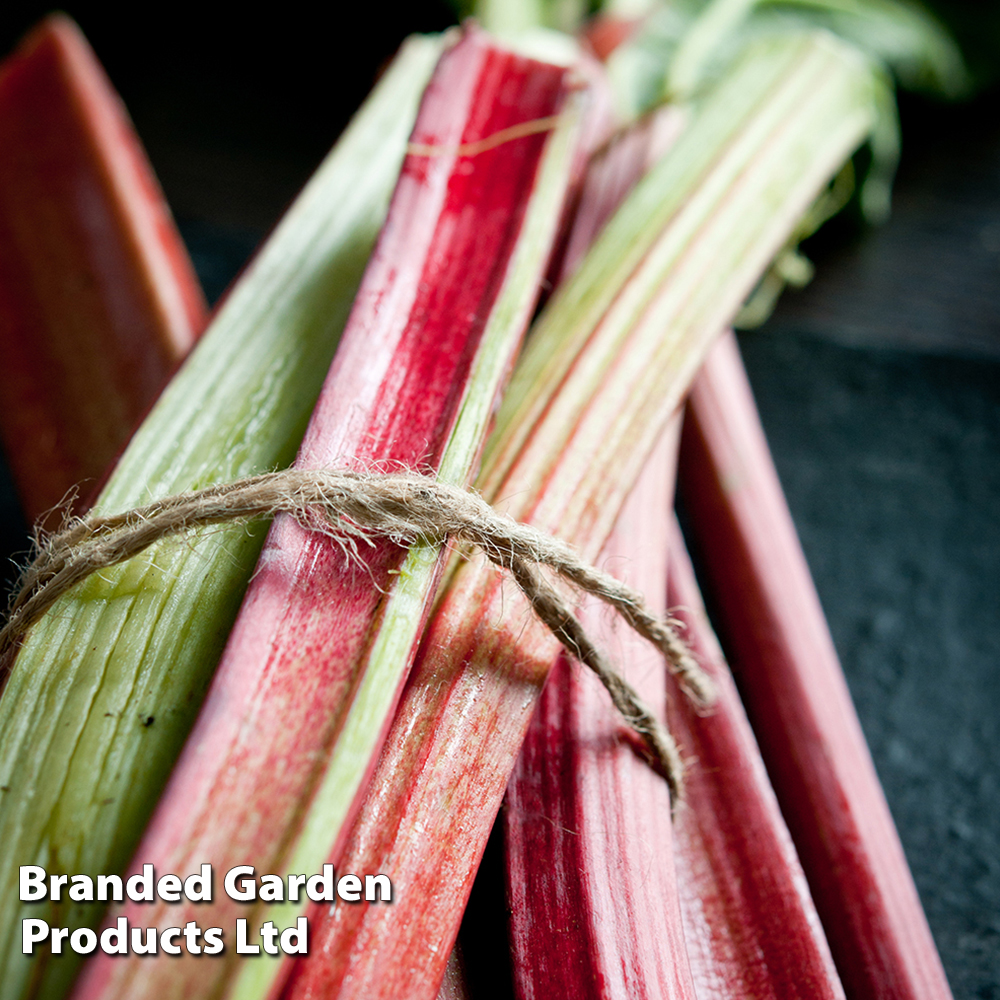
(105, 689)
(316, 658)
(607, 363)
(98, 299)
(578, 818)
(751, 927)
(590, 870)
(577, 812)
(797, 697)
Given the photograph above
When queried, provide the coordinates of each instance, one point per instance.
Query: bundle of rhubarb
(222, 757)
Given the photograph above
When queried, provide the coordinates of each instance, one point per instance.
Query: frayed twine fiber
(355, 508)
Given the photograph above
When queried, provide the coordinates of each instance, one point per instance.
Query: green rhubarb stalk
(738, 137)
(607, 363)
(105, 689)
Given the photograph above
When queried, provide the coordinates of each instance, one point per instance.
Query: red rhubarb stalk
(98, 299)
(578, 819)
(749, 922)
(797, 697)
(432, 334)
(590, 870)
(606, 366)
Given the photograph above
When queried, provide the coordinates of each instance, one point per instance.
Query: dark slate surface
(878, 387)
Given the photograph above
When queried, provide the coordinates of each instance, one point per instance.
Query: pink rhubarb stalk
(590, 869)
(750, 925)
(98, 299)
(608, 362)
(433, 332)
(579, 818)
(797, 697)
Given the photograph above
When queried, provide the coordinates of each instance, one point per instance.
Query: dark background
(879, 386)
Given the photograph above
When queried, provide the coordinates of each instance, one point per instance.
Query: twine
(498, 138)
(356, 508)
